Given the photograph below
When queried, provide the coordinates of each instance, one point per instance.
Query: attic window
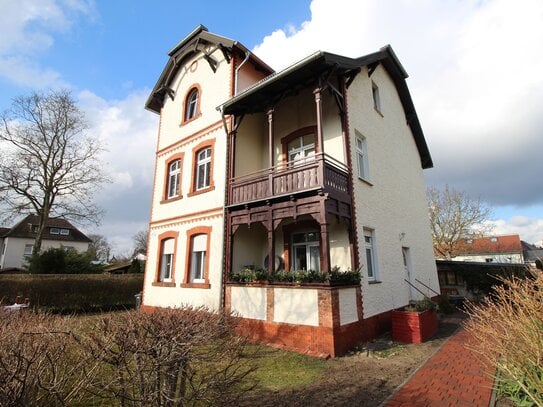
(54, 231)
(192, 104)
(493, 239)
(64, 232)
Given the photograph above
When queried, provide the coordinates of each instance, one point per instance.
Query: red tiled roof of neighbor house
(491, 244)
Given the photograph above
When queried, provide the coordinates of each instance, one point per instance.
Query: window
(371, 264)
(203, 169)
(29, 248)
(54, 231)
(197, 261)
(174, 178)
(167, 247)
(301, 149)
(493, 239)
(376, 97)
(306, 251)
(198, 258)
(362, 157)
(64, 232)
(192, 107)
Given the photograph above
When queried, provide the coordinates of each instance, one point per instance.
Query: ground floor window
(369, 246)
(166, 260)
(198, 258)
(306, 251)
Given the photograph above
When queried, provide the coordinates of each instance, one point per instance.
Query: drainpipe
(247, 54)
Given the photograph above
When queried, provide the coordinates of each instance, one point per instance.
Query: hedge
(72, 292)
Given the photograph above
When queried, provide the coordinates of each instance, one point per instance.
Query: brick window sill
(196, 285)
(171, 199)
(163, 284)
(201, 191)
(196, 116)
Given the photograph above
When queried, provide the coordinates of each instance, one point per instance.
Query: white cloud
(27, 29)
(128, 132)
(529, 229)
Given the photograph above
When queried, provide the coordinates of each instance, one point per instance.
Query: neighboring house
(531, 253)
(316, 166)
(17, 242)
(491, 249)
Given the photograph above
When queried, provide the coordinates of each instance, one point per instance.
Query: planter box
(413, 327)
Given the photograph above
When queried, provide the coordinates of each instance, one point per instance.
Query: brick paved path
(451, 377)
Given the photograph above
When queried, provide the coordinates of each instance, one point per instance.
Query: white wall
(394, 203)
(15, 246)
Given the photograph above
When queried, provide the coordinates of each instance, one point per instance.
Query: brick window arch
(192, 104)
(197, 258)
(166, 259)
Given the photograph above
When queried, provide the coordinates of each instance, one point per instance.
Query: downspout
(247, 55)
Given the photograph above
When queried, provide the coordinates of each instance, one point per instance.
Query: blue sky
(479, 107)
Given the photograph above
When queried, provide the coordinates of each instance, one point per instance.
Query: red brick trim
(198, 230)
(204, 144)
(218, 124)
(198, 112)
(293, 136)
(161, 238)
(169, 161)
(208, 212)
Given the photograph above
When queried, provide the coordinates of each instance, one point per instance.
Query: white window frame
(198, 254)
(166, 259)
(64, 232)
(376, 97)
(28, 250)
(174, 175)
(54, 231)
(372, 270)
(203, 159)
(361, 150)
(301, 153)
(307, 244)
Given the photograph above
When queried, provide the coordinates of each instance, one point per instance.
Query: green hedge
(72, 292)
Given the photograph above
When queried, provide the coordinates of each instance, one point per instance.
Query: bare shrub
(169, 357)
(508, 332)
(39, 360)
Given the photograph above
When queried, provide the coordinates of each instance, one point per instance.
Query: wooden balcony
(320, 172)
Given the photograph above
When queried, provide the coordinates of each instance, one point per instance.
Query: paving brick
(452, 377)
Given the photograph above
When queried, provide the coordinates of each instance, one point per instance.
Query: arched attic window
(192, 104)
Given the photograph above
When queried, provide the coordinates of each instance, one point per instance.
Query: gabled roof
(197, 41)
(23, 229)
(490, 245)
(308, 71)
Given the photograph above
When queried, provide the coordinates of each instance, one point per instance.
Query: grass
(277, 369)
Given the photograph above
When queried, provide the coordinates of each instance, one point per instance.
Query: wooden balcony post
(270, 150)
(325, 248)
(271, 245)
(319, 148)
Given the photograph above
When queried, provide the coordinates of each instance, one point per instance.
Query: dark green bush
(445, 306)
(297, 276)
(72, 293)
(62, 261)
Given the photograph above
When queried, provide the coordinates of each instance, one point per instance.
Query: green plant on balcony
(336, 275)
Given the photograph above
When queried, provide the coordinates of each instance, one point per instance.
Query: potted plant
(415, 323)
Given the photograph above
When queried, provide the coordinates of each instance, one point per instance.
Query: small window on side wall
(203, 169)
(191, 104)
(198, 254)
(362, 157)
(376, 97)
(371, 259)
(174, 178)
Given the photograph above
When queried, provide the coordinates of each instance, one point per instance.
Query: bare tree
(455, 216)
(140, 242)
(99, 248)
(49, 166)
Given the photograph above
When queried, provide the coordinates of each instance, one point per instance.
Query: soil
(366, 377)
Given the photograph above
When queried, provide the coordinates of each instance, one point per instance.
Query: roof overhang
(308, 72)
(199, 40)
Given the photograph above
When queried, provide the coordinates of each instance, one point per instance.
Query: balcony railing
(311, 173)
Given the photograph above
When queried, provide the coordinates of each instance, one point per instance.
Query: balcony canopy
(307, 72)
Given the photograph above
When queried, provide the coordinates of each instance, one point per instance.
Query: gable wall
(394, 204)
